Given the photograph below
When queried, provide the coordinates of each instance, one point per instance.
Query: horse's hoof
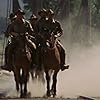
(22, 96)
(17, 88)
(48, 94)
(28, 94)
(44, 96)
(54, 95)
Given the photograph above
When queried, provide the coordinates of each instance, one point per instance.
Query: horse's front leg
(32, 74)
(25, 88)
(16, 76)
(53, 90)
(21, 87)
(21, 83)
(48, 83)
(25, 83)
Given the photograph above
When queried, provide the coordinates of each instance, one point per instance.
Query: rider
(47, 23)
(12, 17)
(33, 19)
(39, 30)
(40, 25)
(55, 27)
(18, 26)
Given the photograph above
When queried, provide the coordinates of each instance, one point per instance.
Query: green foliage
(75, 7)
(95, 12)
(52, 4)
(28, 6)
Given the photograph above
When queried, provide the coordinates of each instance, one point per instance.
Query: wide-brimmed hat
(33, 17)
(19, 11)
(42, 11)
(12, 16)
(50, 12)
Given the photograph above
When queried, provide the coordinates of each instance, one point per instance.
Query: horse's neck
(52, 46)
(21, 49)
(49, 49)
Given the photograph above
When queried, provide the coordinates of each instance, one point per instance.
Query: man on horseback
(55, 27)
(45, 25)
(39, 30)
(18, 26)
(12, 17)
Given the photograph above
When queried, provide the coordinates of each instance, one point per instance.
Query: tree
(15, 5)
(60, 7)
(81, 31)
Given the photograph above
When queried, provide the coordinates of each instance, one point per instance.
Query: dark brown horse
(51, 61)
(21, 63)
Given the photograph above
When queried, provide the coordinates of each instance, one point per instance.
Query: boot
(7, 65)
(63, 67)
(62, 57)
(7, 68)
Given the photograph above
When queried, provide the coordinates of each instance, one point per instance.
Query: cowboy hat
(42, 11)
(19, 11)
(50, 12)
(33, 17)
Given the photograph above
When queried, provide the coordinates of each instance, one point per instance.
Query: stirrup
(5, 67)
(64, 67)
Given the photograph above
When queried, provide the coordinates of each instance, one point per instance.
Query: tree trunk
(36, 5)
(85, 15)
(15, 5)
(65, 9)
(81, 32)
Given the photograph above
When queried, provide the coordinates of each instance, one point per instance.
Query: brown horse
(21, 64)
(51, 61)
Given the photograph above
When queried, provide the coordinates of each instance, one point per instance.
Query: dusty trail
(80, 80)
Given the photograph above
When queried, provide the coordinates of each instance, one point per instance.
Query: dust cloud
(37, 88)
(83, 76)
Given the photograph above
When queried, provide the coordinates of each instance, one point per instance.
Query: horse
(37, 74)
(51, 62)
(21, 64)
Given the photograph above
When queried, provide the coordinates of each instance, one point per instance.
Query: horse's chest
(20, 28)
(22, 55)
(51, 57)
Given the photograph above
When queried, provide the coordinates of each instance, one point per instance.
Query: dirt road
(7, 90)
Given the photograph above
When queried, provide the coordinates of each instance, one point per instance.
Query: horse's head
(51, 40)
